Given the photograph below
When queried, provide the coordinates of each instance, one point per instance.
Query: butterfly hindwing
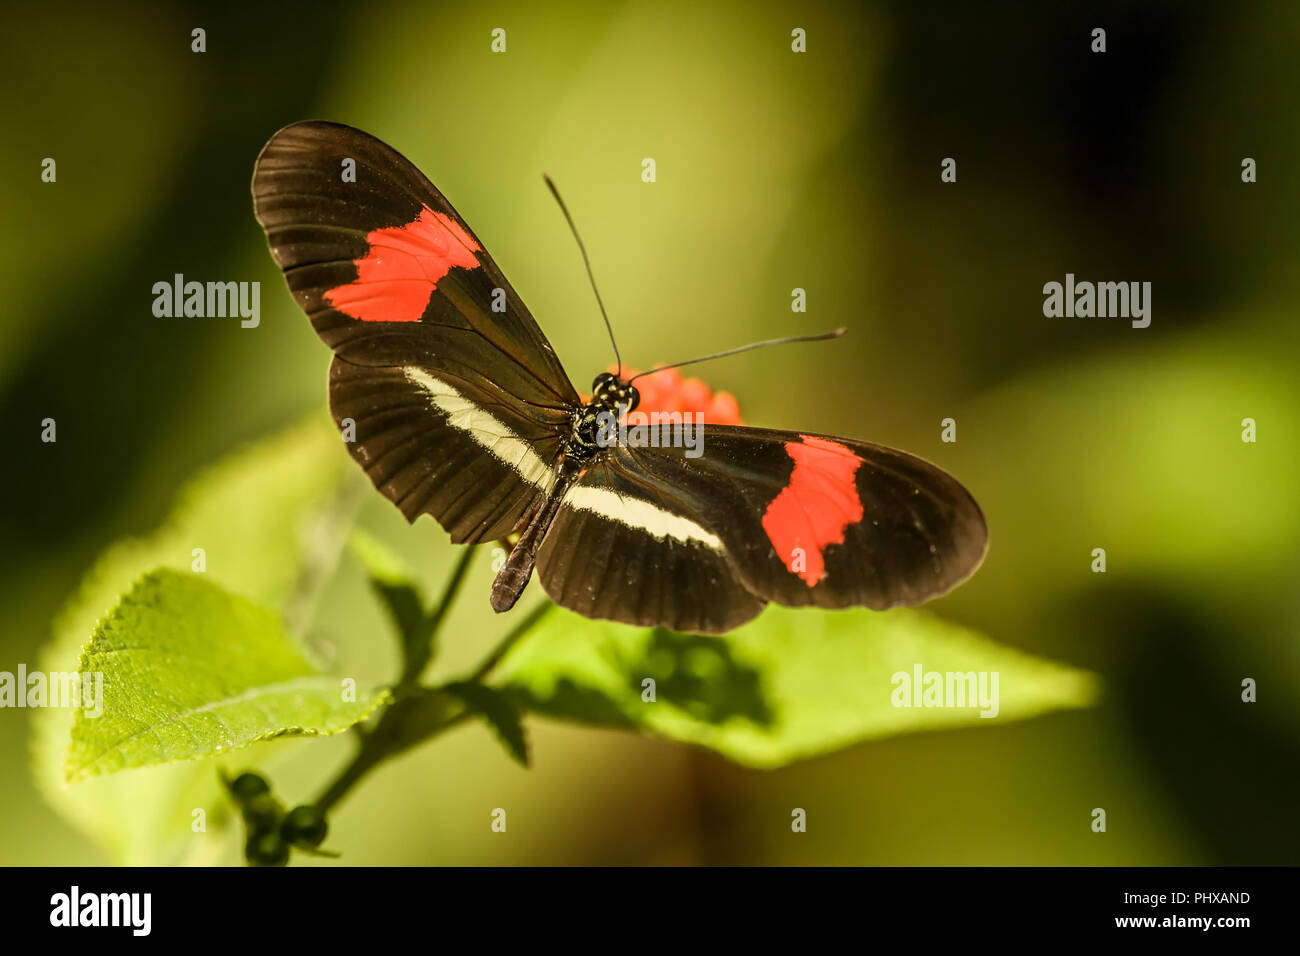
(434, 447)
(626, 549)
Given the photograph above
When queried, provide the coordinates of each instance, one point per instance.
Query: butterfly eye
(632, 397)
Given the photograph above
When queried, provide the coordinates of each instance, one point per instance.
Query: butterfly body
(463, 411)
(610, 398)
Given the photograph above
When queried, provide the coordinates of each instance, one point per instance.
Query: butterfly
(459, 408)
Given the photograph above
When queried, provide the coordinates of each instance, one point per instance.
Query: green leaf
(190, 671)
(498, 711)
(395, 585)
(393, 581)
(264, 516)
(381, 562)
(792, 684)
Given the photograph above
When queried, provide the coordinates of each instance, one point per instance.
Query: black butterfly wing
(450, 386)
(833, 522)
(793, 518)
(628, 545)
(433, 444)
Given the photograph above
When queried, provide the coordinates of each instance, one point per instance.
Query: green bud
(266, 849)
(304, 826)
(262, 813)
(247, 786)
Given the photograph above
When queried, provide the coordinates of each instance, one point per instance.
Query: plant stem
(387, 739)
(417, 658)
(361, 764)
(509, 641)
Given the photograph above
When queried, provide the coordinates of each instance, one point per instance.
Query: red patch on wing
(812, 511)
(404, 264)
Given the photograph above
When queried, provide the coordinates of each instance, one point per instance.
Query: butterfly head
(611, 391)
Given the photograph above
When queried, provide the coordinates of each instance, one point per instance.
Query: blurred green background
(776, 170)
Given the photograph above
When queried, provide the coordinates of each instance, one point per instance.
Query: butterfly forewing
(835, 522)
(384, 266)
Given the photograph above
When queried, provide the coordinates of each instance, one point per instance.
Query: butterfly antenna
(747, 348)
(587, 262)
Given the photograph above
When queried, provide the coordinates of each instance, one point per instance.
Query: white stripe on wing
(485, 428)
(502, 443)
(639, 514)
